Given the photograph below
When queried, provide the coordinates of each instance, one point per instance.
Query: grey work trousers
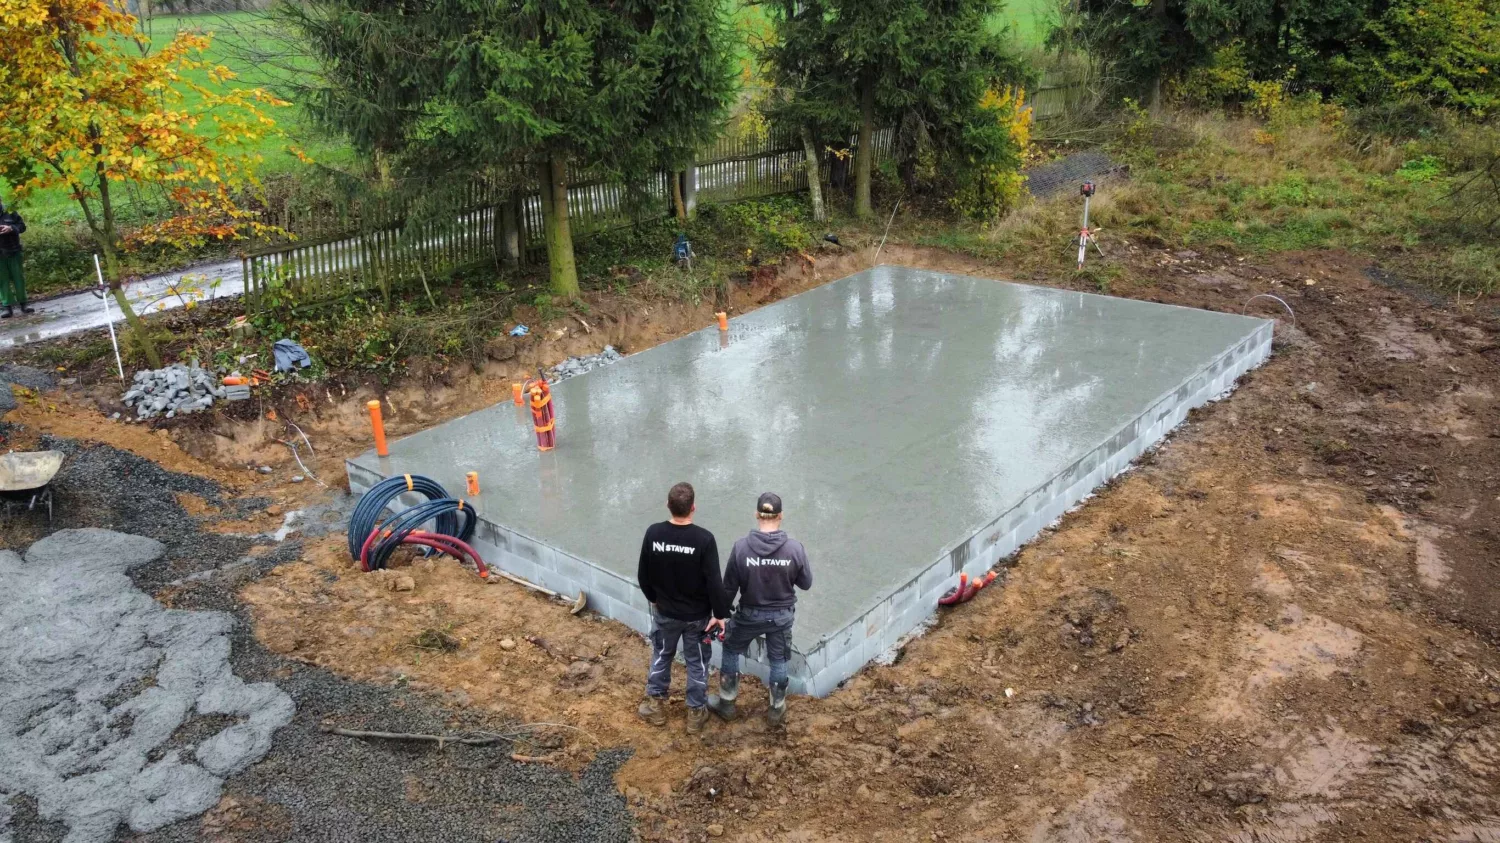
(664, 634)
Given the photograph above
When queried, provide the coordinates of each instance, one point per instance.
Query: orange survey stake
(378, 427)
(473, 482)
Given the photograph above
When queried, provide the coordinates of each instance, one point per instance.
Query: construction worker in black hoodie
(679, 574)
(764, 567)
(12, 282)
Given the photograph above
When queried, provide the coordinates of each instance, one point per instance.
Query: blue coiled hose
(370, 507)
(395, 529)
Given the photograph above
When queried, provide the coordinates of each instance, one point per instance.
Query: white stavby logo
(755, 562)
(663, 547)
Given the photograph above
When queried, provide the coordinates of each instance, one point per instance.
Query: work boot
(697, 719)
(26, 308)
(722, 703)
(9, 312)
(653, 711)
(776, 711)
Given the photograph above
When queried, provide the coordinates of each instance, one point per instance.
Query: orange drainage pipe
(378, 426)
(966, 589)
(723, 321)
(543, 418)
(472, 479)
(515, 394)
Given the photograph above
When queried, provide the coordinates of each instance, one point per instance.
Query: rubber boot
(9, 312)
(652, 711)
(26, 308)
(697, 718)
(722, 703)
(776, 711)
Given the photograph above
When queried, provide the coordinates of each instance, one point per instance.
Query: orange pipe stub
(377, 425)
(472, 479)
(515, 393)
(723, 321)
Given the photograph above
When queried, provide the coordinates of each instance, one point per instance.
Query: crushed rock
(575, 366)
(100, 676)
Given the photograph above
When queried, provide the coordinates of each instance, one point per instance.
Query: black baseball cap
(768, 505)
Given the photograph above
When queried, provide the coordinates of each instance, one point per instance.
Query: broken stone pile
(574, 366)
(172, 391)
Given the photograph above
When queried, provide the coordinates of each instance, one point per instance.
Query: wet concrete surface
(896, 412)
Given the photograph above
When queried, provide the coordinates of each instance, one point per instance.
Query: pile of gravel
(176, 389)
(574, 366)
(14, 374)
(101, 677)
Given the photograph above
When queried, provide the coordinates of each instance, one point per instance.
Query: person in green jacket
(12, 281)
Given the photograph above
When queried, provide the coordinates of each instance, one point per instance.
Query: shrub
(990, 184)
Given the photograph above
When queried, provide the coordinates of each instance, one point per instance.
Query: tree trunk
(678, 205)
(553, 176)
(509, 235)
(104, 235)
(814, 176)
(1159, 11)
(865, 153)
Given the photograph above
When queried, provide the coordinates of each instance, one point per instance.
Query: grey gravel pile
(100, 677)
(31, 378)
(14, 374)
(174, 390)
(575, 366)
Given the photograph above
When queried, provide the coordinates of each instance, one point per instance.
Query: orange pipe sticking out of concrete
(543, 416)
(378, 426)
(473, 482)
(515, 394)
(723, 321)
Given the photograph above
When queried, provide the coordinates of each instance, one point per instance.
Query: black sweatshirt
(679, 572)
(10, 242)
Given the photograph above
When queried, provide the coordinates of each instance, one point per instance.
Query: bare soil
(1281, 626)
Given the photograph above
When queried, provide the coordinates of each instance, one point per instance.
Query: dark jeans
(752, 623)
(664, 634)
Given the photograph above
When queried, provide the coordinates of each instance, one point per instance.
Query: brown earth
(1282, 626)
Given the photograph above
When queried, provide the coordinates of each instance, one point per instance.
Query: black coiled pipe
(370, 507)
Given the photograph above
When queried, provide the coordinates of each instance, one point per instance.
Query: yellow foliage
(85, 107)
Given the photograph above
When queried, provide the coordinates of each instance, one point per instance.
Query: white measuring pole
(108, 318)
(1083, 236)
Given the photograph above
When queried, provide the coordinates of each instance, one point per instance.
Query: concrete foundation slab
(916, 425)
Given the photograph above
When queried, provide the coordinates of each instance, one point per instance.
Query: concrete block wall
(818, 667)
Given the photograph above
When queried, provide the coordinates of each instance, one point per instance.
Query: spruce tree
(442, 88)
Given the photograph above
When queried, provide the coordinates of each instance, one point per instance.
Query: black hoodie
(10, 242)
(763, 568)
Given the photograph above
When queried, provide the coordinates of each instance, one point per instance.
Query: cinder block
(611, 584)
(874, 622)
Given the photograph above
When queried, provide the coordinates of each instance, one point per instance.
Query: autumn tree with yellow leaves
(88, 107)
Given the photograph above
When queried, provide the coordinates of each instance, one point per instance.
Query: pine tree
(926, 66)
(445, 88)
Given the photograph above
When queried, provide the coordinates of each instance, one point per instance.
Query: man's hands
(5, 229)
(715, 623)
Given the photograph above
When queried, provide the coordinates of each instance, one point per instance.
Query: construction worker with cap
(764, 568)
(12, 282)
(679, 574)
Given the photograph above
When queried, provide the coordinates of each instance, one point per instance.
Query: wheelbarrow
(26, 478)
